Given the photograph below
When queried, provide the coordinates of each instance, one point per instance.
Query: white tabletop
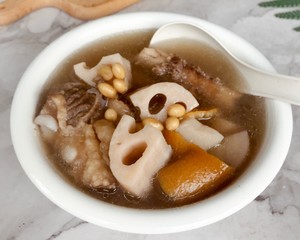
(26, 214)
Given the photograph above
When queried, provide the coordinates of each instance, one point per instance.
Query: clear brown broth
(250, 112)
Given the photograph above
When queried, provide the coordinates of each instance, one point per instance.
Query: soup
(149, 127)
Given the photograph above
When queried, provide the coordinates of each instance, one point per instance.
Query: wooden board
(12, 10)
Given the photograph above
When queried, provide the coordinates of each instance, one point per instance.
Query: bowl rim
(143, 221)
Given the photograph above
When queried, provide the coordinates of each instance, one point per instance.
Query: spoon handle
(256, 81)
(270, 85)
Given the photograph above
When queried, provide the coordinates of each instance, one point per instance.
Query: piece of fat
(136, 157)
(201, 135)
(233, 149)
(47, 121)
(173, 92)
(88, 75)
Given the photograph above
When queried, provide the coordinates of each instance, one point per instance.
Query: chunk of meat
(77, 144)
(81, 153)
(120, 107)
(151, 57)
(190, 76)
(83, 103)
(104, 130)
(96, 173)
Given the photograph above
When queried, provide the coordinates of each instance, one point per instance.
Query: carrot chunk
(194, 174)
(177, 142)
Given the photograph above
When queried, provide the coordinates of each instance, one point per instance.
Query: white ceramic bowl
(32, 158)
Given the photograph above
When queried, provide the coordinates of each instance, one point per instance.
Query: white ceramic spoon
(258, 82)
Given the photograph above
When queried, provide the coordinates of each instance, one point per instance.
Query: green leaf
(280, 3)
(297, 29)
(292, 14)
(289, 15)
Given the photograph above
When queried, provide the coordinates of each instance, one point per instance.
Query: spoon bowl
(256, 82)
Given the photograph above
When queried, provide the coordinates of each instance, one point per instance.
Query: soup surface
(241, 125)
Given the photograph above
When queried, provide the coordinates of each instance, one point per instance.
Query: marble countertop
(26, 214)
